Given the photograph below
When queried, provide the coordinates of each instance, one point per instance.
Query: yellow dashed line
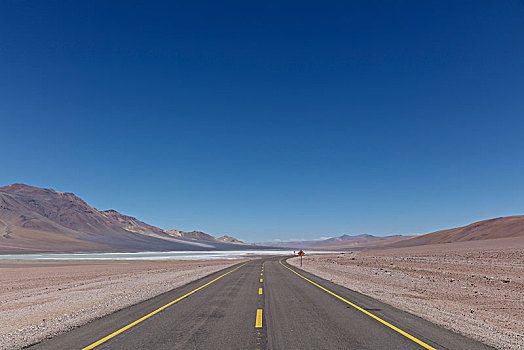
(258, 321)
(259, 291)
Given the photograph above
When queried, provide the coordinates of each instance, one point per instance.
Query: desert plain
(474, 288)
(42, 299)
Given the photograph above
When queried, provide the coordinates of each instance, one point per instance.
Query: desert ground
(474, 288)
(42, 299)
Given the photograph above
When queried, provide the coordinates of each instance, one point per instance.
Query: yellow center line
(114, 334)
(261, 280)
(407, 335)
(261, 273)
(259, 291)
(258, 321)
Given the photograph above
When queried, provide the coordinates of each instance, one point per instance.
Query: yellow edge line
(258, 323)
(123, 329)
(407, 335)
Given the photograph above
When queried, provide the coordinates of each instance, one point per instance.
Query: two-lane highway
(262, 304)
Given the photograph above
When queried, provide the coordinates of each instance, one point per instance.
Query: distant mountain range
(498, 228)
(34, 219)
(341, 242)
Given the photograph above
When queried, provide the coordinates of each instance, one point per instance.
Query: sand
(42, 299)
(473, 288)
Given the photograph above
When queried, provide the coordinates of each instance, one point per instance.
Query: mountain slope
(192, 235)
(199, 235)
(35, 219)
(229, 239)
(503, 227)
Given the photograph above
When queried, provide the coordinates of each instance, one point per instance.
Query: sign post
(301, 253)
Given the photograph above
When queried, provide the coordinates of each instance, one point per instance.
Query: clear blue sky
(269, 120)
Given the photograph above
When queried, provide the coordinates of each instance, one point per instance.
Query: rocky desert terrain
(475, 288)
(42, 299)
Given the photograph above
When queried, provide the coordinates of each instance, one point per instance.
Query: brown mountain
(174, 233)
(229, 239)
(130, 223)
(36, 219)
(503, 227)
(198, 235)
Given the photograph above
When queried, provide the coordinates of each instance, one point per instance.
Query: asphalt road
(261, 305)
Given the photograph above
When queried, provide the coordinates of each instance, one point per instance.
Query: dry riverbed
(474, 289)
(42, 299)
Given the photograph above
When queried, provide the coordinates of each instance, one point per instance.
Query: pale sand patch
(40, 300)
(471, 289)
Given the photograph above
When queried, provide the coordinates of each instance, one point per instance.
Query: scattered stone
(489, 311)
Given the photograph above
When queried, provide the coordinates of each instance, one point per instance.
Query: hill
(34, 219)
(503, 227)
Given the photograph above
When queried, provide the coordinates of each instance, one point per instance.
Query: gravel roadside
(476, 292)
(41, 300)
